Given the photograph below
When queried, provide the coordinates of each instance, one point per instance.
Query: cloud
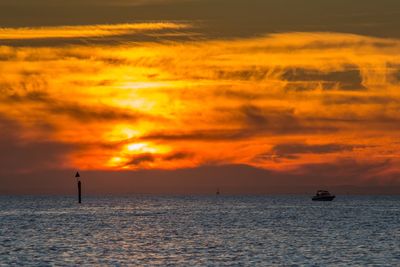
(149, 160)
(292, 101)
(205, 135)
(75, 110)
(299, 78)
(277, 158)
(346, 170)
(31, 96)
(218, 101)
(251, 73)
(301, 148)
(177, 156)
(18, 155)
(282, 121)
(86, 3)
(358, 100)
(85, 30)
(142, 158)
(294, 151)
(96, 113)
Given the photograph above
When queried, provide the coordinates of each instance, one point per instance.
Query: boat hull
(323, 198)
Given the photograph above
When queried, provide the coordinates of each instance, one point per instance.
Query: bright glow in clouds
(276, 102)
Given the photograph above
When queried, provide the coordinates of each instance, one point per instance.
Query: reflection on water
(223, 230)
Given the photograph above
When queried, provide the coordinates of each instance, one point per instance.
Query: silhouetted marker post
(79, 187)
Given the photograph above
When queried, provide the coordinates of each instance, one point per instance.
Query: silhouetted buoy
(79, 187)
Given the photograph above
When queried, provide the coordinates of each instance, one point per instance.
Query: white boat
(323, 195)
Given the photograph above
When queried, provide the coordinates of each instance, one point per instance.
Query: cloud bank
(292, 104)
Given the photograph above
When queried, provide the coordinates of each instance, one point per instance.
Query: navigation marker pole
(79, 187)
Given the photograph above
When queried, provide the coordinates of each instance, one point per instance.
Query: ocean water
(200, 231)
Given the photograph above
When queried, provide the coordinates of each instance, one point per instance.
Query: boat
(323, 195)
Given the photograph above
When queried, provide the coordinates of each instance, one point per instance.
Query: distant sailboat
(217, 192)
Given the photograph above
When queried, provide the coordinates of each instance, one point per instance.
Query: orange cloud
(86, 30)
(278, 102)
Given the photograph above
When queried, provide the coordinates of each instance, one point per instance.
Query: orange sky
(137, 97)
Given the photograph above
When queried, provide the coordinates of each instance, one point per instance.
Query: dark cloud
(254, 74)
(29, 84)
(397, 76)
(231, 93)
(31, 96)
(17, 155)
(86, 2)
(141, 158)
(267, 120)
(292, 151)
(257, 117)
(363, 17)
(303, 86)
(357, 100)
(8, 128)
(256, 121)
(154, 36)
(301, 148)
(93, 113)
(83, 113)
(274, 157)
(177, 156)
(309, 79)
(201, 135)
(347, 171)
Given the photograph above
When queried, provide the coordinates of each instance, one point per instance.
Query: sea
(145, 230)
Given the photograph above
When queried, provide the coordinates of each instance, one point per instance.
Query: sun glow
(121, 132)
(141, 148)
(115, 161)
(276, 102)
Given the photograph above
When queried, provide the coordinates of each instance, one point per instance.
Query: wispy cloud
(86, 30)
(88, 2)
(277, 102)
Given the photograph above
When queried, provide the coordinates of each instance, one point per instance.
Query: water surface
(200, 230)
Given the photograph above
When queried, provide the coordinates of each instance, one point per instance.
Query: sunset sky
(185, 96)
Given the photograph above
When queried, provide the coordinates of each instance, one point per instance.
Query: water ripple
(201, 231)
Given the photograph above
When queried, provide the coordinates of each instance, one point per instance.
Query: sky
(187, 96)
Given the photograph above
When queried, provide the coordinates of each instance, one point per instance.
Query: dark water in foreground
(224, 230)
